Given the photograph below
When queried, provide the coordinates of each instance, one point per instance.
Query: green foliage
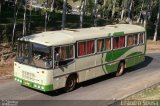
(109, 12)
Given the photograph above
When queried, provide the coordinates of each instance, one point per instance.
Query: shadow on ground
(145, 63)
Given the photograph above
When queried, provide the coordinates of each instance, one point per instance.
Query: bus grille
(28, 75)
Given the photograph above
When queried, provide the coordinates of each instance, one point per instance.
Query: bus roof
(68, 36)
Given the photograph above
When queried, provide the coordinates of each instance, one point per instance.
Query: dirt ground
(7, 57)
(153, 47)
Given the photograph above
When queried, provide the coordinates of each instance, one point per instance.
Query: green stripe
(118, 33)
(118, 53)
(33, 85)
(135, 54)
(114, 55)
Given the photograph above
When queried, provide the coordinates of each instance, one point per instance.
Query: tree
(29, 7)
(1, 3)
(82, 8)
(16, 8)
(0, 6)
(157, 23)
(146, 12)
(46, 16)
(113, 8)
(95, 13)
(140, 14)
(64, 14)
(129, 11)
(24, 18)
(52, 6)
(123, 6)
(109, 8)
(15, 21)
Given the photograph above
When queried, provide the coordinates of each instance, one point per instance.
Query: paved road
(104, 88)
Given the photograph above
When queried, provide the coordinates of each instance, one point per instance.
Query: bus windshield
(34, 54)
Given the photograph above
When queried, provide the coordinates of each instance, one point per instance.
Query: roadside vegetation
(152, 93)
(24, 17)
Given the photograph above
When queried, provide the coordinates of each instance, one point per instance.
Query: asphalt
(93, 92)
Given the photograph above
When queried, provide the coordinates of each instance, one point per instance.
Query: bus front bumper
(44, 88)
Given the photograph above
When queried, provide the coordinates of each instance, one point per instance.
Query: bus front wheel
(120, 69)
(70, 83)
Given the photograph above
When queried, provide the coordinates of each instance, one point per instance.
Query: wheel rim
(120, 69)
(70, 85)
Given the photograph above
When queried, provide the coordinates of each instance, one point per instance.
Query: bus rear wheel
(120, 69)
(70, 83)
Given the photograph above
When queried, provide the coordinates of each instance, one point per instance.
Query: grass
(152, 93)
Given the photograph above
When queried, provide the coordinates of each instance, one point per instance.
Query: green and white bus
(60, 59)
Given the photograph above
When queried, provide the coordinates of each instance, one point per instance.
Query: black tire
(70, 83)
(120, 69)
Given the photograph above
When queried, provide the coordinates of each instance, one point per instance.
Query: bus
(60, 59)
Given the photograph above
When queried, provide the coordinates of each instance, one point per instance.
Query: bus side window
(81, 48)
(86, 47)
(121, 42)
(136, 39)
(108, 43)
(118, 42)
(130, 40)
(90, 46)
(141, 38)
(64, 54)
(115, 42)
(100, 45)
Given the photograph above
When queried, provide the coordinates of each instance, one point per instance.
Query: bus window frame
(121, 47)
(132, 34)
(64, 46)
(104, 38)
(86, 47)
(143, 38)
